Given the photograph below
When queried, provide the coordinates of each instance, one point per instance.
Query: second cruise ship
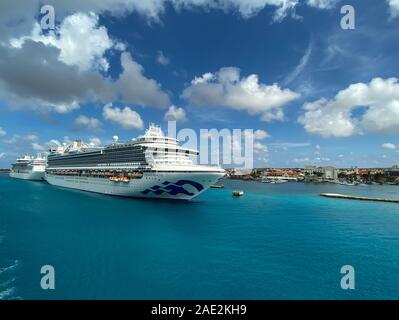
(29, 168)
(151, 166)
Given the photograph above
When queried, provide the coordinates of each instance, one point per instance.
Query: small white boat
(347, 183)
(238, 193)
(217, 186)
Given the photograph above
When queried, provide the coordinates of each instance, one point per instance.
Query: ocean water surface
(276, 242)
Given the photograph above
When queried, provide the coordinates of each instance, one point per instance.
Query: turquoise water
(276, 242)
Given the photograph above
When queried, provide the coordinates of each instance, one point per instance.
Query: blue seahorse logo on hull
(174, 188)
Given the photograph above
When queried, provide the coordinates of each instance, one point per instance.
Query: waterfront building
(393, 171)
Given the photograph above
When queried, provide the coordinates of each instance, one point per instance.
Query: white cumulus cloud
(17, 19)
(126, 117)
(175, 114)
(300, 160)
(389, 145)
(95, 142)
(260, 147)
(38, 147)
(225, 88)
(256, 135)
(81, 41)
(88, 122)
(2, 132)
(322, 4)
(62, 107)
(64, 68)
(394, 6)
(135, 87)
(378, 101)
(261, 134)
(162, 59)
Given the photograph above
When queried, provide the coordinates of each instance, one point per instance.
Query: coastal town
(315, 174)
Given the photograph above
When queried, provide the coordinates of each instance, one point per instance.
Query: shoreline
(344, 183)
(350, 197)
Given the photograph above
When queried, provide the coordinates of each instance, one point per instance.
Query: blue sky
(324, 95)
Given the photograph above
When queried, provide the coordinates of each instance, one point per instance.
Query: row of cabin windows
(98, 160)
(122, 156)
(119, 154)
(101, 156)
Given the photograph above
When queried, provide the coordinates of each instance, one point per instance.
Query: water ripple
(12, 267)
(7, 288)
(7, 294)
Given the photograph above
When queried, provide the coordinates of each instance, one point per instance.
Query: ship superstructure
(152, 166)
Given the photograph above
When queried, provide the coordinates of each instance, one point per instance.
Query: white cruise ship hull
(34, 175)
(161, 185)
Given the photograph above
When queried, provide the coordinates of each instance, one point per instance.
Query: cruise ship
(29, 168)
(151, 166)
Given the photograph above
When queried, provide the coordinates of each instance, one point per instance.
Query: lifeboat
(119, 179)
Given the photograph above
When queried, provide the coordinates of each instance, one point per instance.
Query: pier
(348, 197)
